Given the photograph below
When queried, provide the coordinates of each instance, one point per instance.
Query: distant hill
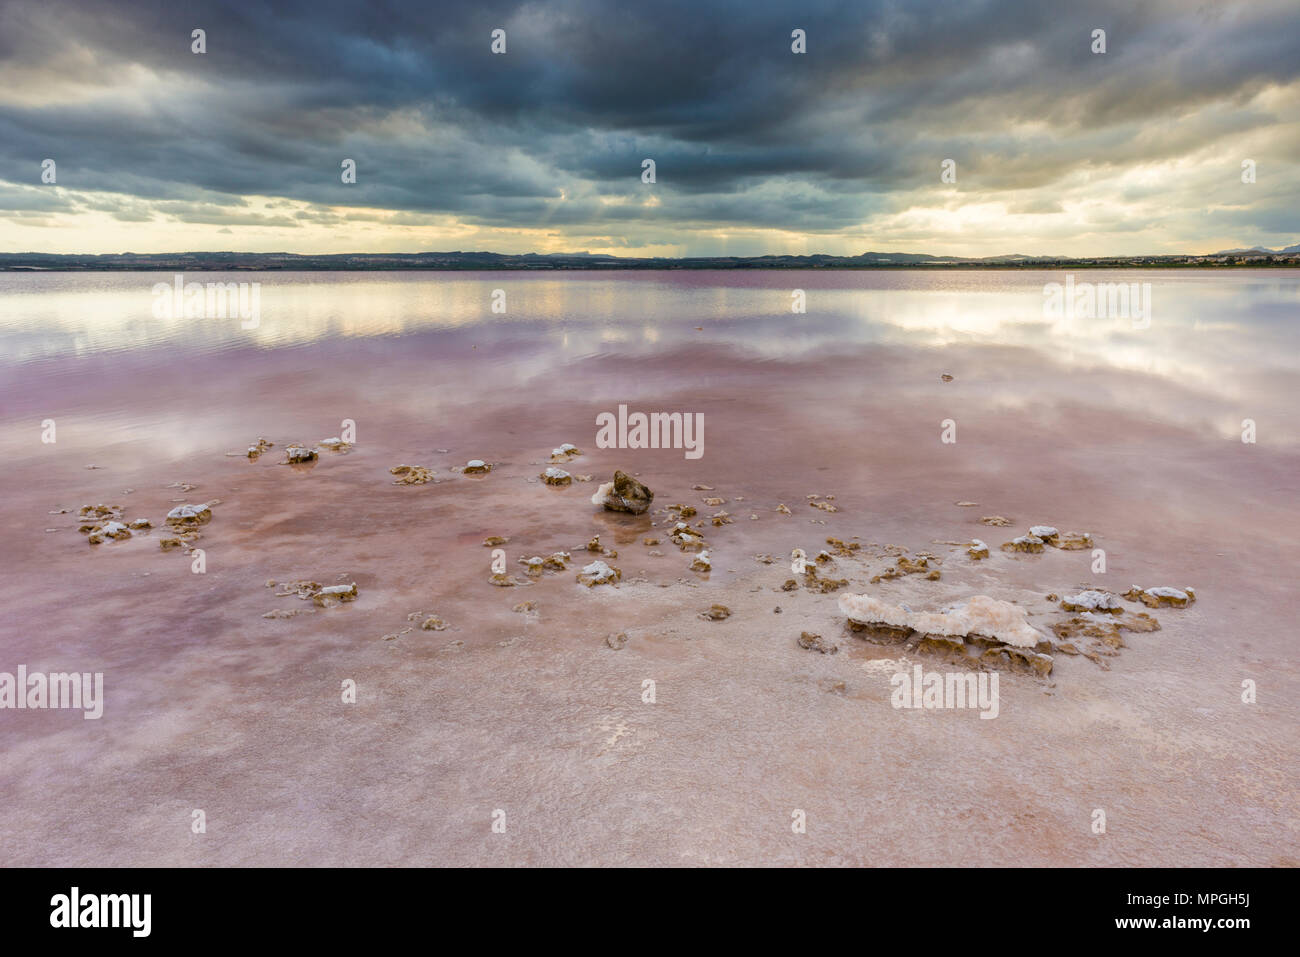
(460, 260)
(1261, 250)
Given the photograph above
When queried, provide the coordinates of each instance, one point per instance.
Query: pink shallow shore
(212, 706)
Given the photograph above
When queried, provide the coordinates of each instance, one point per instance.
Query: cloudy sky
(1057, 149)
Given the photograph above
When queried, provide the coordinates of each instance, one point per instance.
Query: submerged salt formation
(979, 632)
(565, 452)
(686, 538)
(908, 566)
(411, 474)
(1164, 595)
(1091, 600)
(598, 573)
(1024, 543)
(624, 494)
(109, 530)
(814, 582)
(817, 643)
(190, 516)
(322, 595)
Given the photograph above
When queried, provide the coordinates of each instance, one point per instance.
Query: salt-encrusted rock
(714, 501)
(1092, 600)
(109, 530)
(624, 494)
(477, 467)
(140, 523)
(1075, 541)
(502, 580)
(189, 516)
(168, 544)
(1046, 532)
(1164, 595)
(598, 573)
(905, 566)
(335, 444)
(701, 562)
(95, 512)
(977, 549)
(1024, 543)
(844, 549)
(978, 615)
(261, 446)
(816, 643)
(720, 519)
(783, 509)
(686, 538)
(411, 474)
(813, 582)
(533, 566)
(825, 506)
(335, 593)
(716, 613)
(492, 541)
(524, 607)
(790, 585)
(565, 452)
(995, 520)
(433, 623)
(554, 476)
(616, 641)
(295, 454)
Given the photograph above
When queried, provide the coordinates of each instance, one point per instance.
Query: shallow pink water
(1132, 435)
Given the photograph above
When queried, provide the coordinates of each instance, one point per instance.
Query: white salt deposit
(1043, 531)
(602, 493)
(1091, 600)
(182, 512)
(978, 615)
(598, 573)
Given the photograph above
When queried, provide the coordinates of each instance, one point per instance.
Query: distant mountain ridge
(461, 260)
(1260, 249)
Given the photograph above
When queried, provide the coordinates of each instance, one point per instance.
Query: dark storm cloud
(744, 132)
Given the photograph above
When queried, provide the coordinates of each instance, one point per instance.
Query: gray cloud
(745, 134)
